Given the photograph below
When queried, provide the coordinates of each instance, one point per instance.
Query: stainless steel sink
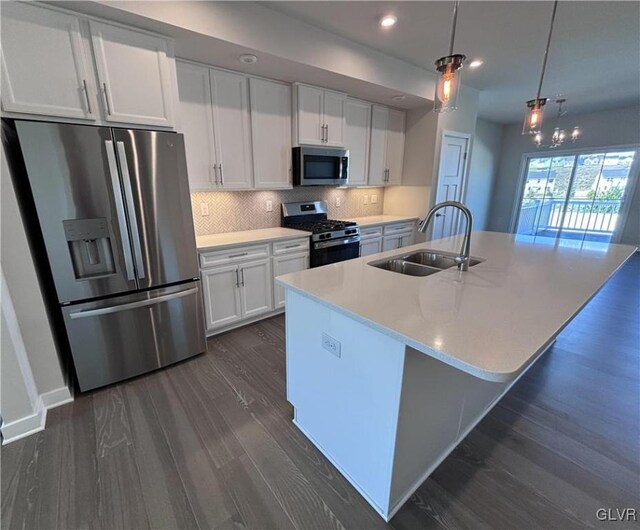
(405, 267)
(439, 260)
(421, 262)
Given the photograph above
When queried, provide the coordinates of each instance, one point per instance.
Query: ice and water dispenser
(89, 244)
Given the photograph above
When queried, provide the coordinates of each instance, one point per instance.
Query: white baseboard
(55, 398)
(24, 426)
(35, 422)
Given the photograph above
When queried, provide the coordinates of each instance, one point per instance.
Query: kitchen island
(387, 373)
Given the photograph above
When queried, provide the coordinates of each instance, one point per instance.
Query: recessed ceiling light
(399, 97)
(248, 58)
(388, 21)
(475, 63)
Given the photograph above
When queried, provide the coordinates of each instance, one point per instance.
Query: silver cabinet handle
(106, 98)
(292, 246)
(238, 255)
(131, 305)
(131, 207)
(215, 173)
(86, 95)
(242, 275)
(221, 174)
(119, 203)
(237, 278)
(326, 136)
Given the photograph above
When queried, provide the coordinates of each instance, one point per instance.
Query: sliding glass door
(576, 196)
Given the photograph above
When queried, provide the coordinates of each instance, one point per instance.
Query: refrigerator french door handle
(119, 203)
(133, 221)
(131, 305)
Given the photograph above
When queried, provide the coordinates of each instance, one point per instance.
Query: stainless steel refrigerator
(113, 209)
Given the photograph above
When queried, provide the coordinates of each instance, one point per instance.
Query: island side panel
(437, 405)
(347, 403)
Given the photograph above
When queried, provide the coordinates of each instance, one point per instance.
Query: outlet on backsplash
(366, 199)
(231, 211)
(374, 199)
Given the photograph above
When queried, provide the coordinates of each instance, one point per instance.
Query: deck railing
(593, 216)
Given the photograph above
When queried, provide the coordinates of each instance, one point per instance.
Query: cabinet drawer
(233, 255)
(370, 231)
(399, 227)
(292, 245)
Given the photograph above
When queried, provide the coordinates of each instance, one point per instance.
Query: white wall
(483, 167)
(23, 286)
(424, 130)
(599, 129)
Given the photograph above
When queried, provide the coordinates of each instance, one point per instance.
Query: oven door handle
(337, 242)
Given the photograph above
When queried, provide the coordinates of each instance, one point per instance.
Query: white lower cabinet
(238, 283)
(255, 287)
(370, 246)
(284, 265)
(222, 304)
(397, 241)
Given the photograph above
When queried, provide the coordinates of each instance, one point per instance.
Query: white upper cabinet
(44, 67)
(395, 146)
(309, 115)
(334, 118)
(196, 120)
(377, 159)
(387, 146)
(357, 136)
(231, 124)
(134, 75)
(319, 116)
(271, 133)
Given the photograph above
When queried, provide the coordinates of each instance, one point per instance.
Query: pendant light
(535, 107)
(449, 67)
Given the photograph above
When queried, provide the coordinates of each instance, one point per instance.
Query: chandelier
(559, 135)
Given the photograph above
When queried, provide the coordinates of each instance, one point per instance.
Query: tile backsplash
(230, 211)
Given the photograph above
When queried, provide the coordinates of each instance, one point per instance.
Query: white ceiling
(594, 60)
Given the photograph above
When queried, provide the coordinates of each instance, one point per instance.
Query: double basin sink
(422, 262)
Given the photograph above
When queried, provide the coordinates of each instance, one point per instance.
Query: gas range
(331, 240)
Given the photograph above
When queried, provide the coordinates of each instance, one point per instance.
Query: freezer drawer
(125, 336)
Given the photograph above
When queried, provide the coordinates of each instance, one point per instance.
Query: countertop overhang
(491, 321)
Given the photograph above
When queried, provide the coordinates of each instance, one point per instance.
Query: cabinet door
(256, 287)
(357, 136)
(378, 147)
(44, 69)
(406, 239)
(284, 265)
(334, 118)
(134, 74)
(196, 122)
(395, 146)
(391, 242)
(221, 293)
(370, 246)
(271, 133)
(309, 115)
(232, 129)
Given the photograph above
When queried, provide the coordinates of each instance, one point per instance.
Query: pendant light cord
(453, 27)
(546, 51)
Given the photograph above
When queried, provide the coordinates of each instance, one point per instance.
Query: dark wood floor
(210, 444)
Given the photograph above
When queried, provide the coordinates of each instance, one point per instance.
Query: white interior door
(44, 70)
(451, 175)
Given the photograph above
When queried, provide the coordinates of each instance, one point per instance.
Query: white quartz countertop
(372, 220)
(491, 321)
(247, 237)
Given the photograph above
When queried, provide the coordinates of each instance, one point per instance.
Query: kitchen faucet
(463, 259)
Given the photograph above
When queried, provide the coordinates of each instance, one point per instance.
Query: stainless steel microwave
(320, 166)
